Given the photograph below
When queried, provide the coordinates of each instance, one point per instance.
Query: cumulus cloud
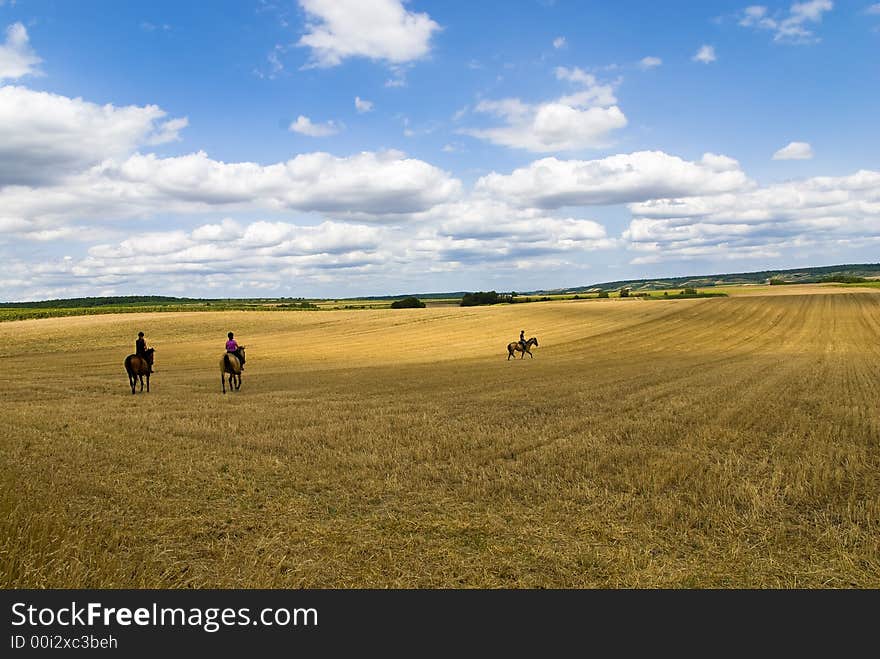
(794, 151)
(270, 252)
(17, 58)
(706, 54)
(559, 42)
(362, 105)
(794, 27)
(843, 211)
(622, 178)
(649, 63)
(375, 29)
(479, 236)
(45, 136)
(399, 80)
(374, 186)
(304, 126)
(580, 120)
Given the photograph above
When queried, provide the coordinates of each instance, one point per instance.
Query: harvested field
(700, 443)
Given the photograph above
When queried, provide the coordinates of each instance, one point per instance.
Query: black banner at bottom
(415, 622)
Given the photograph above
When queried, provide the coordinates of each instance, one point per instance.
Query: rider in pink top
(233, 347)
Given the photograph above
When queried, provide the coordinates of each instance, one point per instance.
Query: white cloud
(873, 9)
(591, 94)
(168, 131)
(788, 28)
(821, 211)
(375, 29)
(705, 54)
(794, 151)
(559, 42)
(622, 178)
(276, 66)
(45, 136)
(477, 236)
(583, 119)
(226, 230)
(486, 222)
(371, 186)
(304, 126)
(362, 105)
(649, 63)
(17, 58)
(146, 26)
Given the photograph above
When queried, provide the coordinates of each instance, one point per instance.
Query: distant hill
(793, 276)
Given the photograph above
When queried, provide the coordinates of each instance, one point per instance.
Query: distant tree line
(408, 303)
(843, 279)
(487, 297)
(124, 300)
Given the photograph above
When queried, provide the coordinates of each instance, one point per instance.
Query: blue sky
(362, 147)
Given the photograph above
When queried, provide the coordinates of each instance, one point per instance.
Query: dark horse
(231, 366)
(137, 367)
(515, 346)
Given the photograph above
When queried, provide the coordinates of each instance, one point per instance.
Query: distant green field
(93, 306)
(47, 310)
(27, 313)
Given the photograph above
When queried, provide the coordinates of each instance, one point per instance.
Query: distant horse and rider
(138, 367)
(230, 367)
(524, 346)
(232, 364)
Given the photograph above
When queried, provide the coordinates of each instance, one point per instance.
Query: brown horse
(516, 346)
(137, 367)
(231, 366)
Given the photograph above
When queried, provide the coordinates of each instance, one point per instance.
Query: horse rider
(140, 349)
(233, 348)
(522, 339)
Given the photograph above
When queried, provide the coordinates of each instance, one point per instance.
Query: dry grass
(694, 443)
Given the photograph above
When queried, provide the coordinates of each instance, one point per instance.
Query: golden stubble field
(649, 444)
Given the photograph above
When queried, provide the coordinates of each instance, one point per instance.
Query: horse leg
(132, 382)
(238, 381)
(148, 383)
(223, 381)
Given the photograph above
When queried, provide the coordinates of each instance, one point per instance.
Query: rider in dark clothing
(522, 339)
(140, 349)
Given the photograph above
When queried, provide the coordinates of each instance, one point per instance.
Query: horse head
(534, 340)
(149, 354)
